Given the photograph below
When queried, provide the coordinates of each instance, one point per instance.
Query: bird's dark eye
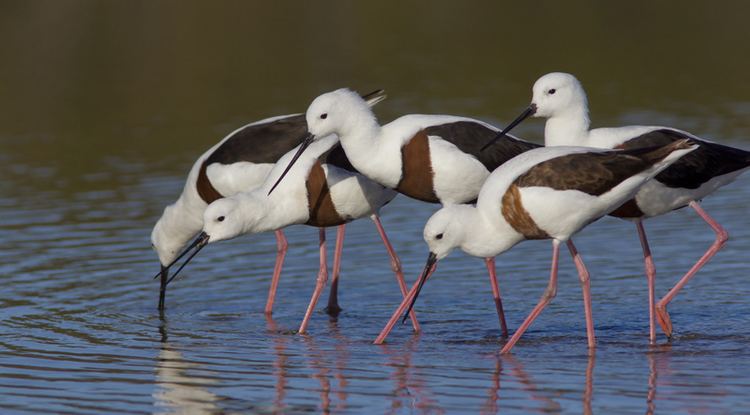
(551, 91)
(323, 116)
(439, 236)
(220, 219)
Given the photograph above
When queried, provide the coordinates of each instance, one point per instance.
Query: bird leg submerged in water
(721, 238)
(411, 297)
(320, 282)
(490, 262)
(548, 295)
(396, 266)
(551, 292)
(333, 309)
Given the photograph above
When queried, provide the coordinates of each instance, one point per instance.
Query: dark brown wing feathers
(595, 173)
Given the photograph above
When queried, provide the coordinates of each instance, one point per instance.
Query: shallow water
(80, 332)
(100, 119)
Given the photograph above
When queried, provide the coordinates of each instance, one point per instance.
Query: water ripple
(79, 332)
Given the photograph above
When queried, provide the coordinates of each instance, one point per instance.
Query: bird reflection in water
(324, 364)
(409, 389)
(184, 386)
(342, 359)
(588, 390)
(280, 364)
(658, 359)
(493, 392)
(180, 391)
(318, 362)
(509, 369)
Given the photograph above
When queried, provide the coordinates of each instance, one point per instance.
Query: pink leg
(583, 276)
(333, 298)
(281, 247)
(401, 309)
(396, 266)
(721, 238)
(490, 262)
(548, 295)
(651, 277)
(320, 283)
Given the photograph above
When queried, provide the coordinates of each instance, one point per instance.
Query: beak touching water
(306, 141)
(531, 110)
(163, 288)
(431, 261)
(199, 242)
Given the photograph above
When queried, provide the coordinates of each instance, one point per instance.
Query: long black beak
(431, 260)
(199, 243)
(306, 141)
(163, 288)
(531, 110)
(182, 254)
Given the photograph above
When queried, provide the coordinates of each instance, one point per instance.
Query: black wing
(261, 143)
(337, 157)
(709, 160)
(471, 136)
(267, 142)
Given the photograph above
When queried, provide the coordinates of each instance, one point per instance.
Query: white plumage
(528, 197)
(433, 158)
(352, 195)
(561, 99)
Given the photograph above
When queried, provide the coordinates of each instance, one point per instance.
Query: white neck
(364, 148)
(176, 227)
(184, 220)
(263, 213)
(485, 237)
(360, 121)
(569, 128)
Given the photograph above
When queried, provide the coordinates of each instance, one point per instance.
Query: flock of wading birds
(336, 163)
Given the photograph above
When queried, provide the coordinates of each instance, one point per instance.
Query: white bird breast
(457, 175)
(353, 195)
(560, 213)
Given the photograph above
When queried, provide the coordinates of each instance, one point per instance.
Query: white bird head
(559, 96)
(444, 231)
(170, 235)
(337, 112)
(224, 219)
(557, 93)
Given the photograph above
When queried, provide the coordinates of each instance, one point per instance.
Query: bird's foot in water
(662, 317)
(333, 310)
